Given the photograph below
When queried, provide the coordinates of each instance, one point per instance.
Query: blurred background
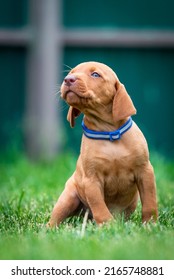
(41, 39)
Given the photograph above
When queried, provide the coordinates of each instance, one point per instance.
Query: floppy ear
(123, 106)
(72, 114)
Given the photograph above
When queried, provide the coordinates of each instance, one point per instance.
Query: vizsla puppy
(113, 168)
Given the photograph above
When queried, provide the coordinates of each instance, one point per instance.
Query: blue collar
(107, 135)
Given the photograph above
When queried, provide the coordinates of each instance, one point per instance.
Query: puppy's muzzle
(70, 87)
(70, 80)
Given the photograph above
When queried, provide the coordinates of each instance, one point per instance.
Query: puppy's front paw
(149, 216)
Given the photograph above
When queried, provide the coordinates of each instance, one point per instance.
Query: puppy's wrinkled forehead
(89, 67)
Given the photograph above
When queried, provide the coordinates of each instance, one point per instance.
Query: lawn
(28, 192)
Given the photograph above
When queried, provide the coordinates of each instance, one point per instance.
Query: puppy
(113, 168)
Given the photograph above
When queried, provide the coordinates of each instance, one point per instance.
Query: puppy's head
(94, 89)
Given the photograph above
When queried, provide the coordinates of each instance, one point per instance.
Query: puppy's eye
(95, 75)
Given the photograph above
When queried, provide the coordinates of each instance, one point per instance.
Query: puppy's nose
(69, 80)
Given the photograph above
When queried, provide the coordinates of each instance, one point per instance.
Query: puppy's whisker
(56, 89)
(57, 93)
(70, 68)
(57, 86)
(65, 71)
(63, 108)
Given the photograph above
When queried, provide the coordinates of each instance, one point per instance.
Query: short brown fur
(109, 176)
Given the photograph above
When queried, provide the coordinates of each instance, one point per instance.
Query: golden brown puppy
(113, 168)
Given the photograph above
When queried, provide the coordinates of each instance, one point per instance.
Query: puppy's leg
(95, 199)
(66, 204)
(147, 190)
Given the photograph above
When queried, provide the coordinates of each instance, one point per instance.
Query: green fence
(143, 64)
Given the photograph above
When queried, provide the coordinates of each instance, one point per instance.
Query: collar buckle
(117, 136)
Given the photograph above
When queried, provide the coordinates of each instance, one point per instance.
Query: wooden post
(43, 124)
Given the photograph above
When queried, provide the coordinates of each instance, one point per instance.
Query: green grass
(28, 192)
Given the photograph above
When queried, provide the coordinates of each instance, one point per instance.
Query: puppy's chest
(112, 163)
(118, 180)
(110, 157)
(116, 172)
(113, 168)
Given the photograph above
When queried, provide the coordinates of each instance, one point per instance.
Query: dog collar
(107, 135)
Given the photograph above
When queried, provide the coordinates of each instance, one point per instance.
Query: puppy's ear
(72, 114)
(123, 106)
